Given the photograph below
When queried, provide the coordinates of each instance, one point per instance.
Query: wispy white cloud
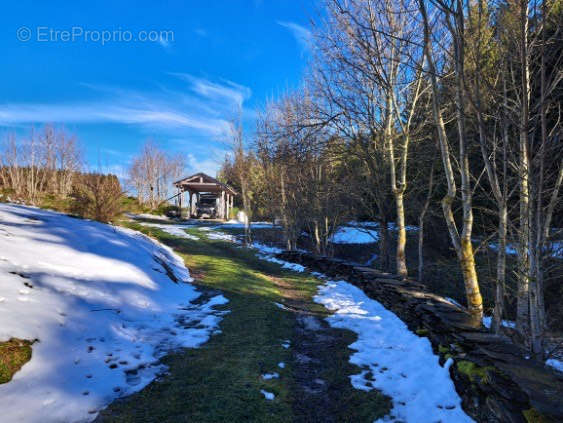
(97, 112)
(301, 34)
(209, 164)
(224, 90)
(206, 109)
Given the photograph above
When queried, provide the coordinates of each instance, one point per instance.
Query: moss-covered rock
(474, 372)
(443, 349)
(534, 416)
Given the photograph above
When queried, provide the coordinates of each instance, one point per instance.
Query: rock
(390, 282)
(506, 388)
(502, 411)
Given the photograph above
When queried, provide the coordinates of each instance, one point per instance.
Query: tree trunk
(421, 224)
(462, 245)
(401, 235)
(247, 210)
(501, 269)
(285, 220)
(384, 246)
(523, 302)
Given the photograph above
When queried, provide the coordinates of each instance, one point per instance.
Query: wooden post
(222, 205)
(189, 204)
(179, 199)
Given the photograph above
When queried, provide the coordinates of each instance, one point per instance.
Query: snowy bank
(103, 305)
(393, 359)
(267, 253)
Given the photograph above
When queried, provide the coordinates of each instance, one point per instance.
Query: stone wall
(490, 373)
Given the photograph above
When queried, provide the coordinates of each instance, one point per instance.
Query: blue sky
(180, 88)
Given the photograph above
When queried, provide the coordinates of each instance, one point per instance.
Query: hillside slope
(103, 304)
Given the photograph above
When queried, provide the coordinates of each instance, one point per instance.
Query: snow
(285, 264)
(402, 363)
(102, 307)
(278, 305)
(176, 230)
(266, 253)
(221, 236)
(216, 235)
(266, 249)
(371, 260)
(487, 321)
(286, 344)
(355, 235)
(392, 226)
(363, 232)
(554, 249)
(556, 364)
(240, 225)
(454, 302)
(268, 376)
(510, 250)
(268, 395)
(281, 365)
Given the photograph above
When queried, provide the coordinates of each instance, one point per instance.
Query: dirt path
(273, 327)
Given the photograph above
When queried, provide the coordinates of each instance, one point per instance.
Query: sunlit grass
(13, 355)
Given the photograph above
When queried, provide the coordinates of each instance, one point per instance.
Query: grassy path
(222, 380)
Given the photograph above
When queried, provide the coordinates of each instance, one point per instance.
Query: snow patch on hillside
(392, 358)
(102, 304)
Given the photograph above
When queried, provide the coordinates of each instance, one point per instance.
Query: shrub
(97, 197)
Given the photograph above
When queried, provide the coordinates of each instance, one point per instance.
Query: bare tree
(43, 163)
(453, 16)
(243, 164)
(532, 107)
(151, 173)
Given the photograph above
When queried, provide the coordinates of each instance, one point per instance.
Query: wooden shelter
(201, 183)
